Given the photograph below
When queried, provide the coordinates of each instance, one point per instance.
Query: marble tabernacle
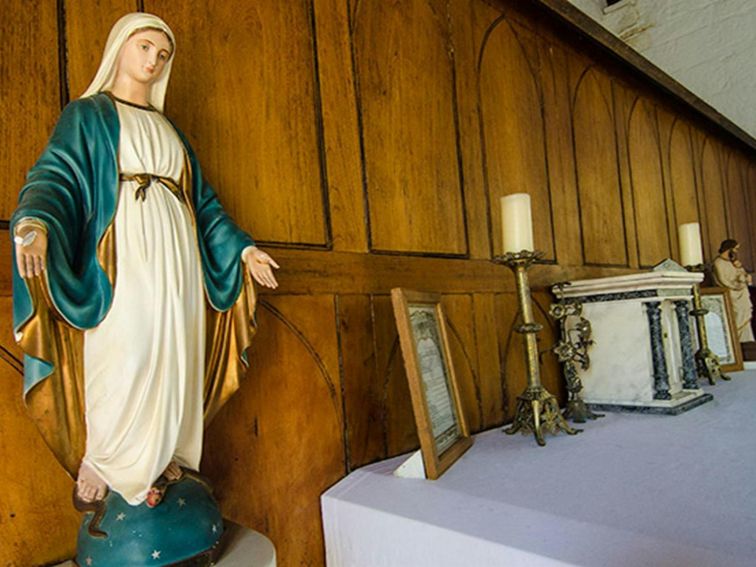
(642, 359)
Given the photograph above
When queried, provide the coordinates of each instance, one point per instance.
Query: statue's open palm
(260, 266)
(31, 259)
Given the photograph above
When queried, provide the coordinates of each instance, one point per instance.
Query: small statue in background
(729, 272)
(572, 350)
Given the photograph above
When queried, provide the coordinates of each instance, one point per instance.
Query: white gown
(144, 364)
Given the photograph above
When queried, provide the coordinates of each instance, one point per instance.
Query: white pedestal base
(681, 401)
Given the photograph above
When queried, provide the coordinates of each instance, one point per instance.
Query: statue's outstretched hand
(31, 250)
(260, 265)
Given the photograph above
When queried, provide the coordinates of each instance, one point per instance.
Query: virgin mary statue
(133, 300)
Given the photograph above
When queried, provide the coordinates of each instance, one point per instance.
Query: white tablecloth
(631, 490)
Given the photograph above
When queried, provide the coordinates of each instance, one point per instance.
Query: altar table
(630, 490)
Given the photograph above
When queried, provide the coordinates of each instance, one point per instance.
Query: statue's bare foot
(89, 486)
(155, 495)
(173, 472)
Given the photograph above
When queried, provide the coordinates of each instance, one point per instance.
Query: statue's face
(144, 56)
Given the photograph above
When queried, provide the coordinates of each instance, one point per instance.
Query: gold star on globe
(156, 554)
(88, 561)
(121, 517)
(181, 502)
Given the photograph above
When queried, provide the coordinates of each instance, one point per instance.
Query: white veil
(121, 31)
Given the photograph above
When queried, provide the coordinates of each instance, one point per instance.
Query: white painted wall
(709, 46)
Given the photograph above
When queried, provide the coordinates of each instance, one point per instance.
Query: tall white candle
(690, 244)
(516, 223)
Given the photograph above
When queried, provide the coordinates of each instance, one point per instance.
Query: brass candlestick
(707, 363)
(537, 409)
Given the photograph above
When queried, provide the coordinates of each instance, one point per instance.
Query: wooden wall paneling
(468, 24)
(364, 401)
(405, 75)
(682, 164)
(399, 431)
(340, 126)
(86, 33)
(278, 443)
(511, 351)
(665, 121)
(38, 524)
(697, 142)
(601, 207)
(6, 260)
(648, 191)
(751, 200)
(713, 197)
(490, 375)
(560, 154)
(514, 146)
(737, 207)
(244, 88)
(29, 90)
(623, 98)
(460, 319)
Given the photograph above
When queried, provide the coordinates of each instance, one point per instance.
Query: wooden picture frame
(720, 328)
(440, 420)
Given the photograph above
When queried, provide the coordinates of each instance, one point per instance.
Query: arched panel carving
(512, 127)
(682, 174)
(737, 170)
(599, 191)
(254, 119)
(29, 90)
(285, 417)
(751, 200)
(405, 74)
(363, 393)
(461, 325)
(399, 431)
(648, 184)
(713, 197)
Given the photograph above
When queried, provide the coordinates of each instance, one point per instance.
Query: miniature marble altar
(642, 359)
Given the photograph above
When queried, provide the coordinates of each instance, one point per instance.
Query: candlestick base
(707, 366)
(524, 258)
(578, 412)
(538, 413)
(707, 363)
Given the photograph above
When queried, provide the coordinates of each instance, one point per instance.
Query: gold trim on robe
(56, 404)
(229, 335)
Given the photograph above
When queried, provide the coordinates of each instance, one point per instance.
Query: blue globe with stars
(185, 528)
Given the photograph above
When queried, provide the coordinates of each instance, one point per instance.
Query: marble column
(690, 378)
(661, 377)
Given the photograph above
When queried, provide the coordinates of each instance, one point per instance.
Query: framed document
(720, 328)
(440, 422)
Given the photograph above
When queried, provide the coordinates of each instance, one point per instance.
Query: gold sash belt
(146, 179)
